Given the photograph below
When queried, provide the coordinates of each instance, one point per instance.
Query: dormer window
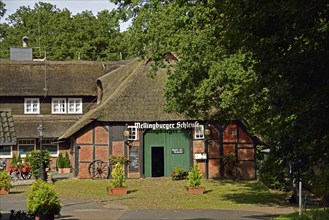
(74, 106)
(31, 106)
(58, 106)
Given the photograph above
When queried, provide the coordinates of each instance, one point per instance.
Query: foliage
(35, 161)
(5, 180)
(178, 174)
(118, 176)
(63, 161)
(194, 177)
(273, 173)
(263, 62)
(60, 160)
(20, 164)
(19, 215)
(118, 159)
(42, 199)
(67, 162)
(63, 36)
(313, 214)
(14, 161)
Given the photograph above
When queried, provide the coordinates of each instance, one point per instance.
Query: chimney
(25, 41)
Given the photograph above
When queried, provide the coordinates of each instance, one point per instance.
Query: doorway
(157, 161)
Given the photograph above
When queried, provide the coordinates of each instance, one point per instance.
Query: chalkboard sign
(134, 160)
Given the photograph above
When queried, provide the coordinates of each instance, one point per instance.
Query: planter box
(199, 190)
(4, 191)
(64, 170)
(118, 191)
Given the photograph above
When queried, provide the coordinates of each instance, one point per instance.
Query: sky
(74, 6)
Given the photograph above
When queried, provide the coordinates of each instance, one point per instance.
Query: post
(300, 196)
(42, 168)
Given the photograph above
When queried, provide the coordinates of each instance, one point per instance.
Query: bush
(67, 162)
(14, 161)
(118, 159)
(60, 161)
(118, 176)
(5, 181)
(42, 199)
(35, 161)
(178, 174)
(195, 177)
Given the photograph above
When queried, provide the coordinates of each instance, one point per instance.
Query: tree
(58, 35)
(263, 62)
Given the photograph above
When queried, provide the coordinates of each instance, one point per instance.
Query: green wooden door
(176, 147)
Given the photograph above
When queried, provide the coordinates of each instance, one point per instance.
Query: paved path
(91, 210)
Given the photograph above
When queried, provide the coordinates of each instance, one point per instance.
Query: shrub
(42, 199)
(67, 162)
(34, 159)
(118, 159)
(60, 161)
(194, 177)
(178, 174)
(14, 161)
(118, 176)
(5, 181)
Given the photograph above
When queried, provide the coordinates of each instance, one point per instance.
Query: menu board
(133, 158)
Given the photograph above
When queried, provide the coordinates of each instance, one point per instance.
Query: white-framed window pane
(75, 106)
(6, 151)
(31, 106)
(26, 146)
(199, 132)
(58, 106)
(52, 148)
(132, 133)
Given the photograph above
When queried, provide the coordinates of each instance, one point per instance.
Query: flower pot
(118, 191)
(4, 191)
(198, 190)
(64, 170)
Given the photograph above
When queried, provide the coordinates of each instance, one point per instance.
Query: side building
(52, 94)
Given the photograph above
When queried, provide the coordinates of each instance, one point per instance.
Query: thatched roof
(7, 128)
(55, 126)
(62, 78)
(129, 95)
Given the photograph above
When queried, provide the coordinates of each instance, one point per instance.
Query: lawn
(165, 193)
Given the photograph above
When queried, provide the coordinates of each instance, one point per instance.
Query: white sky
(74, 6)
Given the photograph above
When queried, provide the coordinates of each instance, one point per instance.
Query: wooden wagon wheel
(98, 170)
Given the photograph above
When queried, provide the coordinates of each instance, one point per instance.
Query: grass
(165, 193)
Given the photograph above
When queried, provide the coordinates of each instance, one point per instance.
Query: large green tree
(263, 62)
(60, 35)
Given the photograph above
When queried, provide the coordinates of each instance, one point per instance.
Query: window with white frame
(58, 106)
(132, 133)
(6, 151)
(31, 106)
(26, 146)
(51, 147)
(74, 106)
(199, 132)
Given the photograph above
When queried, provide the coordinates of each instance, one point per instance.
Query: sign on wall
(177, 150)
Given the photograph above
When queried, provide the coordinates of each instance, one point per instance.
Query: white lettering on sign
(167, 126)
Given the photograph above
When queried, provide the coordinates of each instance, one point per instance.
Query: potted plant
(194, 180)
(43, 201)
(5, 182)
(118, 176)
(63, 163)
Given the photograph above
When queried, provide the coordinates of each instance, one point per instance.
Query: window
(51, 147)
(58, 106)
(31, 106)
(199, 132)
(74, 106)
(6, 151)
(26, 146)
(133, 133)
